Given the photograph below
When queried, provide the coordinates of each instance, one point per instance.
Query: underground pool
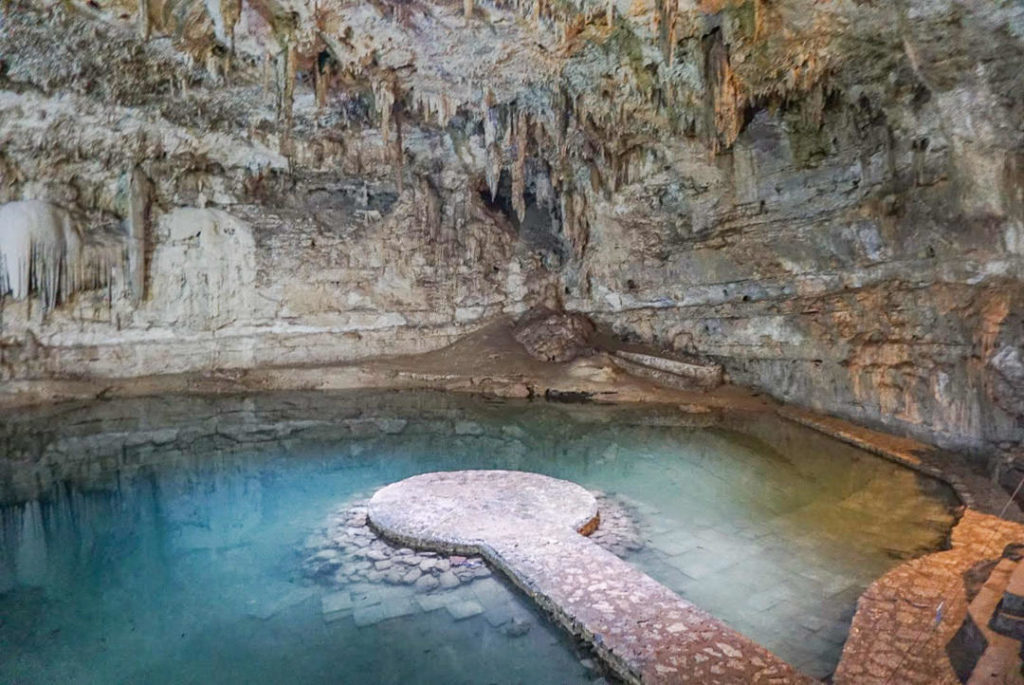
(223, 539)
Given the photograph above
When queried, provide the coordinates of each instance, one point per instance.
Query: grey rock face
(827, 199)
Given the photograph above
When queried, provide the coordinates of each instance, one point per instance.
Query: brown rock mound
(555, 336)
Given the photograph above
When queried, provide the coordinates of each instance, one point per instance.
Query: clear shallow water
(158, 540)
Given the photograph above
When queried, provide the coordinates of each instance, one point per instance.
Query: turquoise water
(160, 540)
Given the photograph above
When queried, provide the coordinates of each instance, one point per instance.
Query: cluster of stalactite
(592, 140)
(43, 254)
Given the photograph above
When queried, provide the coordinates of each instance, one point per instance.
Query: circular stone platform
(457, 511)
(528, 525)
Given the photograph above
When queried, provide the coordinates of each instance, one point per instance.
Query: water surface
(158, 540)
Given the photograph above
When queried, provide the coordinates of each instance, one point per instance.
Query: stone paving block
(269, 606)
(837, 584)
(836, 632)
(433, 601)
(674, 544)
(699, 564)
(463, 593)
(336, 616)
(490, 593)
(335, 602)
(366, 598)
(465, 609)
(398, 606)
(657, 525)
(368, 615)
(498, 615)
(769, 598)
(677, 580)
(813, 623)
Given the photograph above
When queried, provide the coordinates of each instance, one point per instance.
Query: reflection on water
(137, 536)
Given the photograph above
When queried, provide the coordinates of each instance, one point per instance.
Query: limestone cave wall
(825, 197)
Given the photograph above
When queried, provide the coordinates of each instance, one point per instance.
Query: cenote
(163, 539)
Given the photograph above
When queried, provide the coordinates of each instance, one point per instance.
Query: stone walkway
(906, 618)
(528, 526)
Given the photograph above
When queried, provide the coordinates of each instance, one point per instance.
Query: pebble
(463, 610)
(330, 555)
(448, 580)
(347, 551)
(426, 583)
(339, 601)
(516, 628)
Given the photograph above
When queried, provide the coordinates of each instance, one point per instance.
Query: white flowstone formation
(40, 251)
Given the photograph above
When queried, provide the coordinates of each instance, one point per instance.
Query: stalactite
(812, 111)
(667, 13)
(439, 108)
(428, 209)
(467, 8)
(231, 10)
(384, 98)
(397, 155)
(140, 191)
(494, 155)
(266, 73)
(574, 221)
(286, 71)
(288, 97)
(225, 15)
(321, 77)
(143, 20)
(519, 167)
(724, 104)
(42, 252)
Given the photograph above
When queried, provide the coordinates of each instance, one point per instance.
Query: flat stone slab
(529, 526)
